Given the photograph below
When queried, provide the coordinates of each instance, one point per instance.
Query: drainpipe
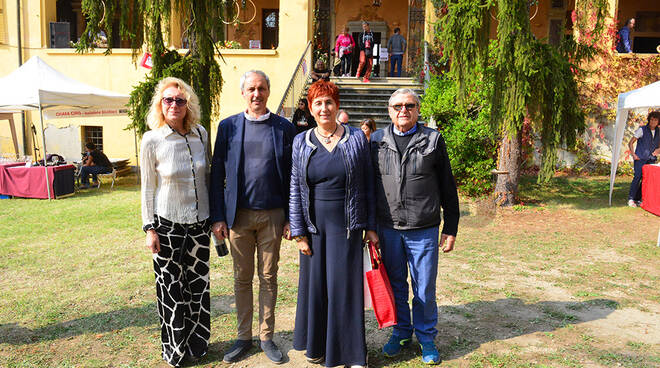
(427, 77)
(20, 62)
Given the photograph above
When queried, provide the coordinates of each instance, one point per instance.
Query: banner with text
(83, 113)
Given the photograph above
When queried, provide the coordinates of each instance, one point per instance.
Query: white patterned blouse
(174, 175)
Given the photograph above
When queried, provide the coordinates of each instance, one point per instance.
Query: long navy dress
(330, 310)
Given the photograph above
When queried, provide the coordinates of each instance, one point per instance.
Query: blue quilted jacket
(359, 205)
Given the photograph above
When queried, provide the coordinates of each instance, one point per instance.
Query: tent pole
(43, 141)
(19, 40)
(12, 128)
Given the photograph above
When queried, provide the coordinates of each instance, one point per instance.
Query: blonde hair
(155, 118)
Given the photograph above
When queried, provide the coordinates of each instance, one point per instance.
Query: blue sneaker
(394, 345)
(430, 353)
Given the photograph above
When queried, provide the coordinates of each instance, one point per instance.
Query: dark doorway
(270, 27)
(65, 13)
(375, 69)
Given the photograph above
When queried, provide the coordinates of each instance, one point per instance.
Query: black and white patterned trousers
(182, 287)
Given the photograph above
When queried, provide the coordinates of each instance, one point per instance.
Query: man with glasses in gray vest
(415, 192)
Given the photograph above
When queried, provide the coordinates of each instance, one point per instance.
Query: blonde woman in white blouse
(175, 209)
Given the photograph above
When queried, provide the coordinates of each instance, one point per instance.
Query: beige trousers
(259, 230)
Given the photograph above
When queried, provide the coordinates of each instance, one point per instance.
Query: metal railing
(297, 84)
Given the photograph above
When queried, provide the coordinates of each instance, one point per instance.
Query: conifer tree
(146, 23)
(534, 80)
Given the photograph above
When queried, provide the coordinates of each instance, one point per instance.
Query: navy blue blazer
(227, 155)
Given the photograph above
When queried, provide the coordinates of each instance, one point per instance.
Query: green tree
(533, 78)
(145, 23)
(471, 144)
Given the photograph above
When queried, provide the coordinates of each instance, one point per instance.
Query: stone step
(369, 100)
(362, 96)
(376, 106)
(375, 81)
(379, 123)
(369, 92)
(362, 113)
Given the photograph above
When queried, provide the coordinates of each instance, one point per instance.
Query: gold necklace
(327, 139)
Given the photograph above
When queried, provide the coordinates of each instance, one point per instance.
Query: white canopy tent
(37, 86)
(645, 97)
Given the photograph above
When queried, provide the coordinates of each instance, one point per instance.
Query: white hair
(258, 72)
(404, 91)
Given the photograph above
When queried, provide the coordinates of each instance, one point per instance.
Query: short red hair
(322, 88)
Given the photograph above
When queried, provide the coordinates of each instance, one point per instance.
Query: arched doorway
(331, 16)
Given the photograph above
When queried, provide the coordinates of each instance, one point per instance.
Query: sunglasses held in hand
(399, 107)
(178, 101)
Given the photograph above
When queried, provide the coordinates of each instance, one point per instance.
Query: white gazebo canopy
(35, 85)
(645, 97)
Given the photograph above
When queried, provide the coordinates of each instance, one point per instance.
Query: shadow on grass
(217, 350)
(464, 328)
(581, 192)
(143, 316)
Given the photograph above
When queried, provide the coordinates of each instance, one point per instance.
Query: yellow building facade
(117, 72)
(271, 35)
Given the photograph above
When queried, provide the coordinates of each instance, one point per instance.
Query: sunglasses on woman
(399, 107)
(176, 100)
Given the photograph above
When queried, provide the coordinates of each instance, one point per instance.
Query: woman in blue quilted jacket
(331, 205)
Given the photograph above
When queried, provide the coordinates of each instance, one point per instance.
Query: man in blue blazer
(249, 196)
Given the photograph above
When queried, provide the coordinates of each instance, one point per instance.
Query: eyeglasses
(178, 101)
(399, 107)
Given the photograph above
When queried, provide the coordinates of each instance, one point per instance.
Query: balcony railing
(297, 84)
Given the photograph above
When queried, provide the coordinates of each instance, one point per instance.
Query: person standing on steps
(344, 47)
(396, 47)
(366, 45)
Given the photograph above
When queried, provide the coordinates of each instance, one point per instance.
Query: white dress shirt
(174, 180)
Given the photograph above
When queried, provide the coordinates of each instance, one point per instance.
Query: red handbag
(380, 289)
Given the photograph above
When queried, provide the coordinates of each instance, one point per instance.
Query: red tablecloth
(28, 182)
(651, 188)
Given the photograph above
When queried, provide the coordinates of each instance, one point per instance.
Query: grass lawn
(562, 280)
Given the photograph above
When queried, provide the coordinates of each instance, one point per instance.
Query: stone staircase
(369, 100)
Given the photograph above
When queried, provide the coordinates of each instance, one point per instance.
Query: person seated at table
(646, 152)
(95, 163)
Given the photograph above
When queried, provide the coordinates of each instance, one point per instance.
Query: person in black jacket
(302, 119)
(646, 152)
(413, 183)
(331, 204)
(366, 45)
(95, 163)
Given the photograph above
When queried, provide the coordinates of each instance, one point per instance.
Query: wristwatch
(298, 238)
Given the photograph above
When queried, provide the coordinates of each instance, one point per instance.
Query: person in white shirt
(175, 211)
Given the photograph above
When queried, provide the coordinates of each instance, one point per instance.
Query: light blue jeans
(417, 251)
